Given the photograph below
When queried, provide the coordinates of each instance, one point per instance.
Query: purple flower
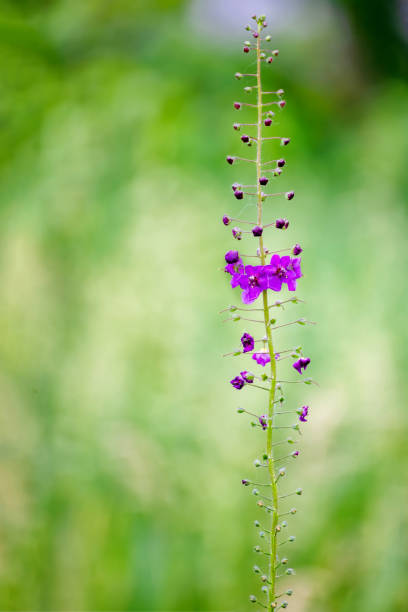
(263, 420)
(283, 270)
(248, 342)
(237, 382)
(245, 138)
(234, 268)
(253, 281)
(301, 364)
(235, 186)
(281, 163)
(261, 358)
(257, 230)
(303, 415)
(231, 257)
(245, 482)
(226, 220)
(247, 376)
(268, 121)
(230, 159)
(297, 249)
(238, 194)
(277, 356)
(282, 223)
(289, 195)
(237, 233)
(263, 180)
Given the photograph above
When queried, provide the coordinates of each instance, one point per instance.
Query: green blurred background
(121, 452)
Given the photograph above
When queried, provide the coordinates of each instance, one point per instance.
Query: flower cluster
(268, 270)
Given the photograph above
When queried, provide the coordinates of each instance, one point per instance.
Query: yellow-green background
(121, 453)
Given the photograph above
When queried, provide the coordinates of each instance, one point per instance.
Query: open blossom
(248, 342)
(237, 382)
(261, 358)
(303, 415)
(252, 280)
(301, 364)
(234, 267)
(283, 270)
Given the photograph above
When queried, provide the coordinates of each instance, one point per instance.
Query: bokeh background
(121, 451)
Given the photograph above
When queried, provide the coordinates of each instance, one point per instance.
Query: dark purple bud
(285, 141)
(275, 52)
(289, 195)
(237, 105)
(286, 224)
(236, 232)
(237, 126)
(263, 180)
(282, 103)
(281, 163)
(255, 34)
(246, 49)
(281, 223)
(231, 257)
(297, 249)
(268, 121)
(245, 138)
(248, 342)
(270, 60)
(263, 420)
(295, 454)
(235, 186)
(238, 75)
(245, 482)
(226, 220)
(238, 194)
(230, 159)
(257, 230)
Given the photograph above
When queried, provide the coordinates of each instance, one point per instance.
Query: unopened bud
(264, 578)
(284, 561)
(240, 410)
(290, 571)
(268, 122)
(230, 159)
(245, 138)
(252, 598)
(282, 103)
(270, 59)
(237, 105)
(299, 491)
(257, 549)
(281, 162)
(260, 503)
(289, 195)
(257, 569)
(248, 89)
(261, 534)
(268, 38)
(238, 75)
(239, 195)
(284, 604)
(285, 141)
(255, 491)
(236, 232)
(237, 126)
(257, 523)
(263, 180)
(295, 454)
(226, 220)
(293, 510)
(284, 524)
(246, 49)
(292, 538)
(289, 592)
(275, 52)
(245, 482)
(257, 463)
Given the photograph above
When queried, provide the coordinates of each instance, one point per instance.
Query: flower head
(283, 270)
(248, 342)
(253, 281)
(303, 414)
(262, 357)
(237, 382)
(301, 364)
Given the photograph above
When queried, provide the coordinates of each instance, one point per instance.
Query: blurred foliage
(121, 454)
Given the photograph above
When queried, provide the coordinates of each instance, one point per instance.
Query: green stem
(269, 435)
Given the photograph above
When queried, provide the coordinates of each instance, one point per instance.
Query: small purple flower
(281, 223)
(303, 415)
(261, 358)
(289, 195)
(237, 382)
(301, 364)
(238, 194)
(263, 420)
(263, 180)
(257, 230)
(248, 342)
(252, 282)
(226, 220)
(247, 376)
(231, 257)
(297, 249)
(283, 270)
(236, 232)
(230, 159)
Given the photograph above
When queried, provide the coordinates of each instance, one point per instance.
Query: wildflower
(303, 415)
(263, 420)
(262, 357)
(226, 220)
(252, 282)
(237, 382)
(297, 249)
(234, 267)
(301, 364)
(248, 342)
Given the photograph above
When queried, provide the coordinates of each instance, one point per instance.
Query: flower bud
(264, 578)
(275, 52)
(289, 592)
(268, 122)
(264, 588)
(260, 503)
(292, 538)
(257, 463)
(245, 138)
(262, 56)
(268, 38)
(281, 103)
(257, 523)
(246, 49)
(290, 571)
(240, 410)
(285, 141)
(245, 482)
(284, 561)
(252, 598)
(284, 604)
(257, 549)
(255, 34)
(299, 491)
(255, 491)
(237, 126)
(238, 194)
(297, 249)
(278, 528)
(284, 524)
(238, 75)
(257, 230)
(263, 180)
(282, 471)
(257, 569)
(281, 223)
(226, 220)
(293, 510)
(232, 257)
(289, 195)
(248, 89)
(236, 232)
(237, 105)
(270, 59)
(277, 171)
(281, 162)
(248, 28)
(230, 159)
(261, 534)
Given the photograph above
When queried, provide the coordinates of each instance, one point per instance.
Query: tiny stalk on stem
(273, 272)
